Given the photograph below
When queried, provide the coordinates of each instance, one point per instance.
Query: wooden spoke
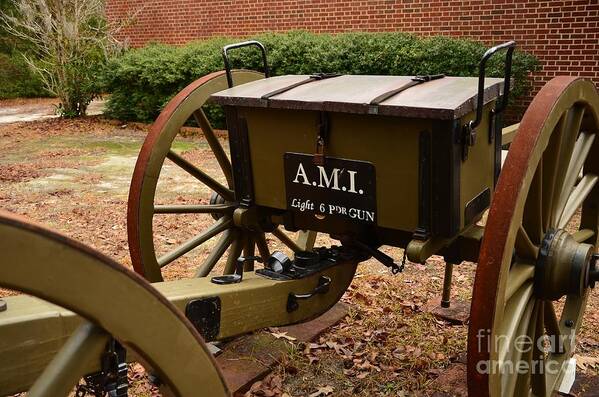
(572, 120)
(524, 247)
(195, 209)
(234, 253)
(550, 159)
(217, 149)
(143, 200)
(520, 273)
(579, 156)
(216, 253)
(583, 235)
(533, 216)
(200, 175)
(306, 239)
(552, 322)
(514, 313)
(519, 349)
(66, 368)
(218, 227)
(278, 233)
(262, 246)
(522, 385)
(580, 193)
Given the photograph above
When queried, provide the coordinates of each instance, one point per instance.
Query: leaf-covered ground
(73, 175)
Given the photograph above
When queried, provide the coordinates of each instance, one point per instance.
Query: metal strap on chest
(415, 81)
(314, 77)
(323, 124)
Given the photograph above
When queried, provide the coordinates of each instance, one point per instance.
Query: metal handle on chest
(229, 47)
(510, 45)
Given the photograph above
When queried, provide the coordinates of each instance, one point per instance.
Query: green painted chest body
(407, 147)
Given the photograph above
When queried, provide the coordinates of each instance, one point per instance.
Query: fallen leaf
(584, 362)
(283, 335)
(322, 391)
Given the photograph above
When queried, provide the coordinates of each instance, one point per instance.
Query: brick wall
(564, 35)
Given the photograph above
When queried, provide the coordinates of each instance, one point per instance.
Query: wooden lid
(444, 98)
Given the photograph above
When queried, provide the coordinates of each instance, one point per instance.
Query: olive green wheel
(214, 194)
(536, 262)
(114, 301)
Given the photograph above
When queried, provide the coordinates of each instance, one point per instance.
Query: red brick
(563, 34)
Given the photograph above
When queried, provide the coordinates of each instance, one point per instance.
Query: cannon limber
(412, 162)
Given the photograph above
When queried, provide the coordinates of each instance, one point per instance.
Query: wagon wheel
(114, 301)
(216, 192)
(536, 266)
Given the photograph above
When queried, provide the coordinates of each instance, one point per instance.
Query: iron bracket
(112, 379)
(468, 140)
(322, 287)
(322, 137)
(376, 254)
(236, 277)
(205, 315)
(594, 271)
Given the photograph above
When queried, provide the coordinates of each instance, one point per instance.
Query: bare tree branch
(69, 40)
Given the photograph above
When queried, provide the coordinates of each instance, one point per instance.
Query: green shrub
(16, 79)
(143, 80)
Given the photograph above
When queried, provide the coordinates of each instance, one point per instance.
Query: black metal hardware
(376, 254)
(428, 77)
(321, 138)
(495, 133)
(469, 130)
(278, 262)
(476, 206)
(322, 287)
(510, 45)
(236, 277)
(541, 262)
(204, 314)
(492, 117)
(304, 264)
(415, 81)
(306, 259)
(314, 77)
(468, 140)
(229, 47)
(2, 305)
(422, 232)
(216, 199)
(446, 159)
(594, 271)
(112, 379)
(240, 157)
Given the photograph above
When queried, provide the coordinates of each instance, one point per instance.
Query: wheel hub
(564, 266)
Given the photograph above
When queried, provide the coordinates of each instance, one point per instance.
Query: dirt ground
(32, 109)
(74, 175)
